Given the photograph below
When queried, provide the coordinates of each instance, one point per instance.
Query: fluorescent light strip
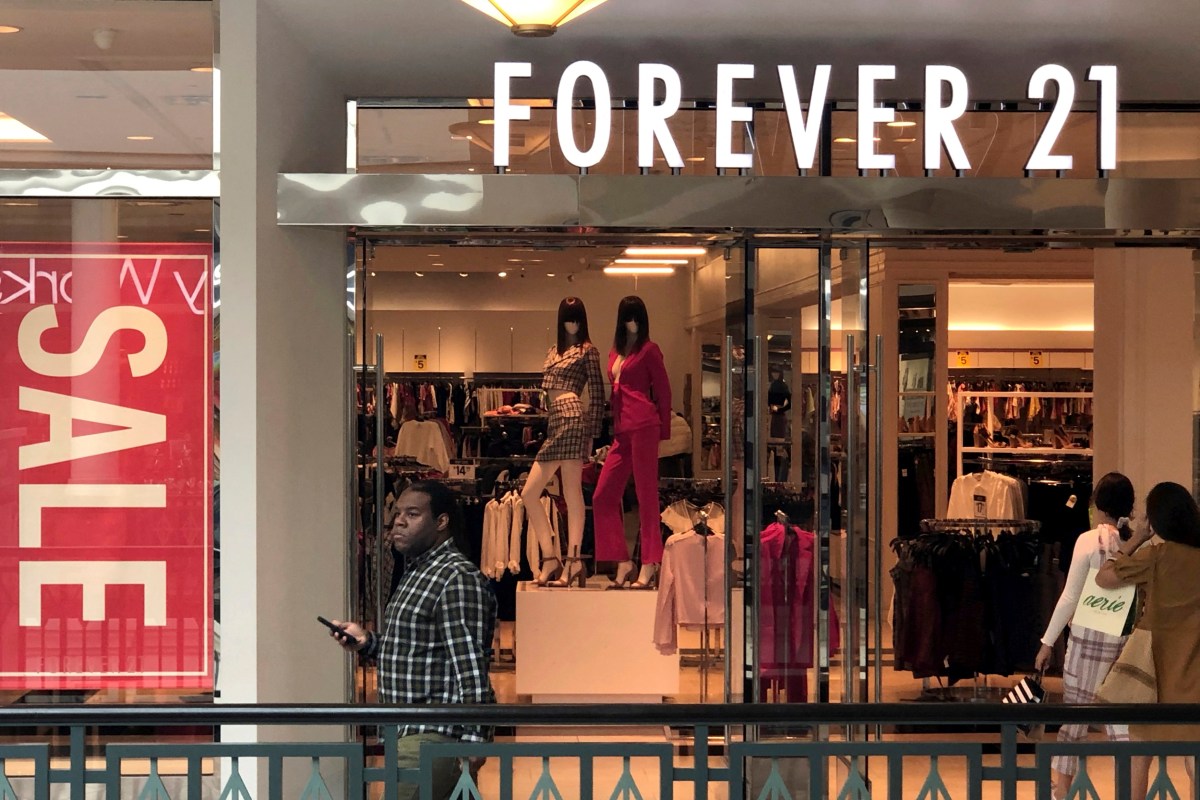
(639, 270)
(665, 251)
(680, 261)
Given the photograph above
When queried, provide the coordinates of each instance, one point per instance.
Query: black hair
(1173, 514)
(571, 309)
(442, 500)
(631, 308)
(1114, 496)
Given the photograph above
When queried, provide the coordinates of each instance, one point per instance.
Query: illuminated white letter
(34, 497)
(869, 115)
(504, 112)
(137, 428)
(727, 114)
(1041, 157)
(939, 119)
(94, 577)
(1106, 115)
(805, 130)
(564, 113)
(107, 322)
(652, 119)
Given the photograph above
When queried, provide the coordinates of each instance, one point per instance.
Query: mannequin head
(775, 373)
(633, 325)
(571, 310)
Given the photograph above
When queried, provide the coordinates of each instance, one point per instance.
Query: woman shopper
(1172, 615)
(1090, 653)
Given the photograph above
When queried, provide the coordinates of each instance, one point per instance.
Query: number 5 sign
(420, 362)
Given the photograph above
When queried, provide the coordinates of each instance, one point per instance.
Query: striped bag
(1028, 690)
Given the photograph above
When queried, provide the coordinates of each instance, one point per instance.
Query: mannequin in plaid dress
(572, 367)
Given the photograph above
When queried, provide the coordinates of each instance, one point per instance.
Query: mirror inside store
(629, 496)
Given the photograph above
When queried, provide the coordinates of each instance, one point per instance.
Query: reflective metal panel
(108, 183)
(678, 202)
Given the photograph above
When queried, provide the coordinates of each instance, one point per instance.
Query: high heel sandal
(626, 571)
(546, 575)
(573, 573)
(647, 578)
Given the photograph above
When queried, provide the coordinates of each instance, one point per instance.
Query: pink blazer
(641, 396)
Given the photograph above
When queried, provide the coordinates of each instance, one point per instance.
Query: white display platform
(590, 646)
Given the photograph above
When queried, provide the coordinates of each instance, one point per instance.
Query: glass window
(131, 87)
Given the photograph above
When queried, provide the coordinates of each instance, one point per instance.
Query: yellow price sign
(420, 362)
(1037, 358)
(964, 358)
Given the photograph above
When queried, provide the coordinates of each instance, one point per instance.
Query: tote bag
(1132, 678)
(1104, 610)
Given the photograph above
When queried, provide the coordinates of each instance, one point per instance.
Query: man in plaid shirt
(437, 635)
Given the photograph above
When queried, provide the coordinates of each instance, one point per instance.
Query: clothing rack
(969, 524)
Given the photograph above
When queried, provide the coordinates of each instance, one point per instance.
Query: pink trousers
(635, 451)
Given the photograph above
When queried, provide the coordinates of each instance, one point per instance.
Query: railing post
(700, 761)
(77, 775)
(1008, 762)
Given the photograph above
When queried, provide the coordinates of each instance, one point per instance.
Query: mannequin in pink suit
(641, 406)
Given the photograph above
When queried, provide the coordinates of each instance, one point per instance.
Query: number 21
(1106, 116)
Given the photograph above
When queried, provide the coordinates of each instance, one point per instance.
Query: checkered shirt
(437, 639)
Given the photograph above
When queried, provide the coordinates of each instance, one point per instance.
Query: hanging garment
(691, 586)
(986, 495)
(682, 515)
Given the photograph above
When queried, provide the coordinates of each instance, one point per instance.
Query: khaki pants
(446, 771)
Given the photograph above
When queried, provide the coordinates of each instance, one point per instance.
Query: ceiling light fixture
(694, 159)
(487, 122)
(533, 18)
(639, 270)
(906, 139)
(902, 123)
(372, 274)
(502, 274)
(665, 251)
(21, 203)
(140, 138)
(462, 274)
(419, 274)
(844, 140)
(650, 261)
(438, 264)
(10, 29)
(549, 274)
(203, 230)
(201, 69)
(13, 130)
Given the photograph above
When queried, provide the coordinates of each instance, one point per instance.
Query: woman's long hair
(571, 309)
(631, 308)
(1173, 514)
(1114, 496)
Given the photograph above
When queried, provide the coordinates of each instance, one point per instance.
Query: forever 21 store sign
(940, 112)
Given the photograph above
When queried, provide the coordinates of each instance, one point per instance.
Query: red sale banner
(106, 420)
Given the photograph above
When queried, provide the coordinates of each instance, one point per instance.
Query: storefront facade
(864, 284)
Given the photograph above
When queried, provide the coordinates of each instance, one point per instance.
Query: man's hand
(353, 636)
(1044, 658)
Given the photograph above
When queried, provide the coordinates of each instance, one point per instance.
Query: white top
(1092, 549)
(682, 516)
(986, 495)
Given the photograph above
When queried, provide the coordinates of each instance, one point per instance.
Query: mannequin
(641, 404)
(572, 365)
(779, 402)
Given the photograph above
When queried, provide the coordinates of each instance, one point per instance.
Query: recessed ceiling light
(470, 169)
(419, 274)
(20, 203)
(487, 122)
(901, 123)
(665, 251)
(877, 139)
(122, 236)
(694, 159)
(142, 203)
(140, 138)
(438, 264)
(844, 140)
(514, 261)
(502, 274)
(906, 139)
(372, 274)
(639, 270)
(549, 274)
(202, 69)
(203, 230)
(650, 261)
(535, 261)
(462, 274)
(10, 29)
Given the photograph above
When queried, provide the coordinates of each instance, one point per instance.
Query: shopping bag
(1028, 691)
(1133, 678)
(1104, 610)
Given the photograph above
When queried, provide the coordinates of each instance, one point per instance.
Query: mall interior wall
(284, 366)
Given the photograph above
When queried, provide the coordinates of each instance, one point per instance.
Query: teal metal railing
(762, 752)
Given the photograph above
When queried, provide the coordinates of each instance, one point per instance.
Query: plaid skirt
(567, 437)
(1090, 655)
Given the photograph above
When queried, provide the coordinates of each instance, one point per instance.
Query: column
(1143, 365)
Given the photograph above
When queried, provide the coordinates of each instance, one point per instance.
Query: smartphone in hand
(339, 632)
